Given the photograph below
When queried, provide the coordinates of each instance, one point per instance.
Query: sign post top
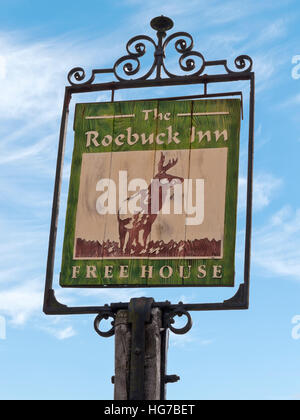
(192, 65)
(162, 24)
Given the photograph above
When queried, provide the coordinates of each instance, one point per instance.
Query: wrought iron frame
(131, 67)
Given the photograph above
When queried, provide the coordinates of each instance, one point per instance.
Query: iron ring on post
(99, 318)
(179, 312)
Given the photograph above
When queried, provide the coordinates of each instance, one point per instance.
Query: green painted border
(231, 122)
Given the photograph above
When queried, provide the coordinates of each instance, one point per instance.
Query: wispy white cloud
(61, 334)
(290, 102)
(265, 66)
(32, 80)
(276, 247)
(265, 187)
(3, 71)
(217, 12)
(66, 333)
(21, 301)
(17, 154)
(190, 339)
(274, 30)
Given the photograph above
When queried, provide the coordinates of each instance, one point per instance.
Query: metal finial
(162, 24)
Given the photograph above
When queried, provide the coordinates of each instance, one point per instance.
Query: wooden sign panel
(153, 194)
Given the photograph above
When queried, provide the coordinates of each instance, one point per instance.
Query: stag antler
(161, 163)
(164, 168)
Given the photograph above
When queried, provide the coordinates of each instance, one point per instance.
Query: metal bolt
(171, 379)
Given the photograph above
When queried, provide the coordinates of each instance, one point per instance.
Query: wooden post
(152, 360)
(153, 356)
(122, 356)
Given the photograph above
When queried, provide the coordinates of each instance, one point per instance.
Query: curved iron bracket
(180, 311)
(105, 315)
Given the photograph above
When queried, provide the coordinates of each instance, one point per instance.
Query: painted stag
(134, 231)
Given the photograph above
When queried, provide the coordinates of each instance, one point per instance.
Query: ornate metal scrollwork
(179, 312)
(133, 57)
(78, 74)
(241, 64)
(187, 61)
(190, 61)
(105, 315)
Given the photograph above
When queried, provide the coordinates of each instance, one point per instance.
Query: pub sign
(153, 194)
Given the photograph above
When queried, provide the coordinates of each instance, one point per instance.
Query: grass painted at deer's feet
(198, 248)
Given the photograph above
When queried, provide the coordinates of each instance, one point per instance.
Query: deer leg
(123, 231)
(122, 234)
(129, 243)
(138, 243)
(126, 240)
(146, 236)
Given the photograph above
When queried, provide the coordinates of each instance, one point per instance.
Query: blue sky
(232, 355)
